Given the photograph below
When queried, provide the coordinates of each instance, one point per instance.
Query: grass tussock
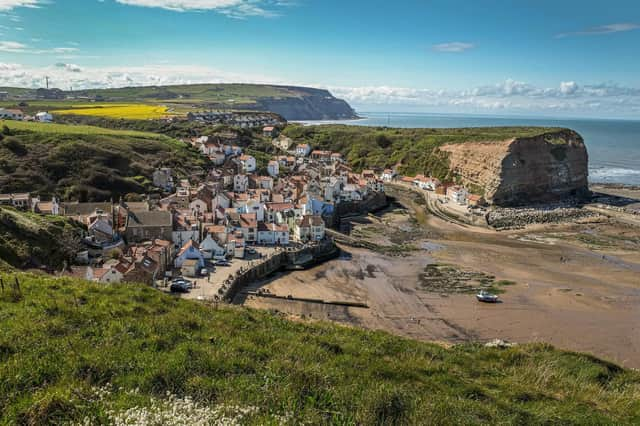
(73, 351)
(29, 240)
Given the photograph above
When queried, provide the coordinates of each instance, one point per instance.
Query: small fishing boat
(486, 297)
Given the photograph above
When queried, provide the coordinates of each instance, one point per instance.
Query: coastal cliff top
(412, 150)
(441, 135)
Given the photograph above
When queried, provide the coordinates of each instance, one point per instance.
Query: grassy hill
(74, 351)
(86, 162)
(30, 240)
(293, 103)
(197, 93)
(415, 149)
(193, 93)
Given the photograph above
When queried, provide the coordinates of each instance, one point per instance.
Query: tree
(383, 141)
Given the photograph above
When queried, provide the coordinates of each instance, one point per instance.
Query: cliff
(523, 170)
(311, 104)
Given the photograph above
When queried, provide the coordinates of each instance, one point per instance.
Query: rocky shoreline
(520, 217)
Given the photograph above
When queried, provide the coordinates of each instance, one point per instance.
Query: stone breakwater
(515, 218)
(299, 257)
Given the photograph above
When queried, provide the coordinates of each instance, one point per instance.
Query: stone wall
(284, 258)
(372, 204)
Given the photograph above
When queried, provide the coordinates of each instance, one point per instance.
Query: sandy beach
(575, 286)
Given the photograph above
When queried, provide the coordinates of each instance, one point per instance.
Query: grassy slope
(416, 149)
(206, 93)
(86, 162)
(62, 340)
(227, 93)
(28, 240)
(65, 129)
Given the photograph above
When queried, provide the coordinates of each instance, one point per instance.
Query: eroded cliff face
(519, 171)
(311, 104)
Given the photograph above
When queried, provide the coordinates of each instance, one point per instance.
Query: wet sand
(567, 293)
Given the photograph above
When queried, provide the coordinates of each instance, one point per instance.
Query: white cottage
(210, 248)
(190, 251)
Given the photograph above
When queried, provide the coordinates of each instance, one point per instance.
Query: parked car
(179, 287)
(223, 263)
(204, 271)
(184, 282)
(251, 250)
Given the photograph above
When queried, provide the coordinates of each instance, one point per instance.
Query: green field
(206, 93)
(415, 149)
(66, 129)
(74, 351)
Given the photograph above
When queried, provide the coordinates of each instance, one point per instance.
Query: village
(198, 232)
(203, 230)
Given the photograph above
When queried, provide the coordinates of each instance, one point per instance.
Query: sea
(613, 145)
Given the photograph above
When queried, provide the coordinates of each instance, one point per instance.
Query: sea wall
(300, 257)
(371, 204)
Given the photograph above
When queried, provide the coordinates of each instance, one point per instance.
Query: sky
(561, 58)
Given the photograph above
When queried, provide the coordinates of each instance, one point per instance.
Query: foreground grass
(72, 350)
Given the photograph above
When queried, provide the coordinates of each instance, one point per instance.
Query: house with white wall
(44, 117)
(248, 163)
(458, 194)
(107, 275)
(273, 168)
(190, 251)
(210, 248)
(303, 149)
(11, 114)
(240, 183)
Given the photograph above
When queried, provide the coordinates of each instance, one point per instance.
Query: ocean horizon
(613, 145)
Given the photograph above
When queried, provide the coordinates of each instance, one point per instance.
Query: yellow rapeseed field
(127, 111)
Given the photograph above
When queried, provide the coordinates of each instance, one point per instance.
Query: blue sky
(562, 57)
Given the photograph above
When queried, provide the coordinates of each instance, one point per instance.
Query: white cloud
(11, 4)
(63, 50)
(232, 8)
(511, 95)
(453, 47)
(568, 87)
(603, 29)
(69, 67)
(606, 99)
(12, 46)
(65, 74)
